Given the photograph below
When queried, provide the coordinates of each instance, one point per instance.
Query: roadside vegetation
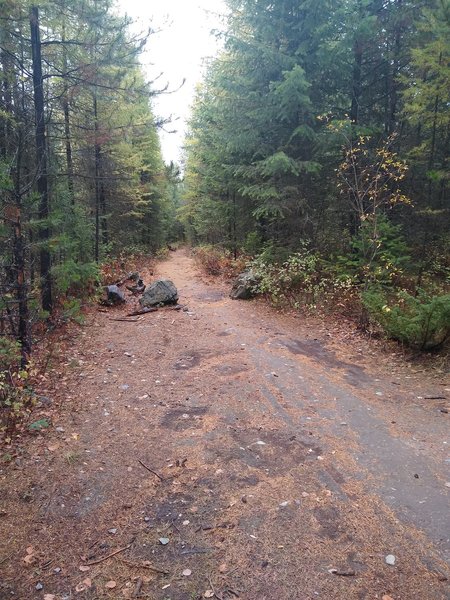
(318, 148)
(82, 179)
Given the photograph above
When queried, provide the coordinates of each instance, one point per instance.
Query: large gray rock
(243, 286)
(162, 291)
(115, 296)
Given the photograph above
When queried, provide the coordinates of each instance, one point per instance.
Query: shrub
(304, 280)
(72, 310)
(76, 279)
(10, 354)
(15, 393)
(116, 267)
(422, 321)
(253, 243)
(216, 261)
(378, 255)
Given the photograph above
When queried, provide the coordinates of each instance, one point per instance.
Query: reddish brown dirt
(281, 456)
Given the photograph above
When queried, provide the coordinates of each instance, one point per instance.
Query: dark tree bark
(42, 174)
(67, 133)
(97, 163)
(6, 101)
(12, 150)
(103, 221)
(356, 81)
(23, 332)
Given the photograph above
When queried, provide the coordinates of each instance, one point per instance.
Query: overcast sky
(178, 51)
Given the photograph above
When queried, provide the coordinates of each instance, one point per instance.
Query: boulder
(243, 286)
(161, 291)
(115, 296)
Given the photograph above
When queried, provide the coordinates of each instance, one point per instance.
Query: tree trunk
(7, 102)
(234, 228)
(97, 162)
(42, 173)
(67, 135)
(393, 84)
(103, 221)
(356, 81)
(66, 112)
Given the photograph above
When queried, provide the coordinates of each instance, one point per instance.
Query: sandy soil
(286, 465)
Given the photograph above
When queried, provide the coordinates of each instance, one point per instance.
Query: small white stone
(390, 559)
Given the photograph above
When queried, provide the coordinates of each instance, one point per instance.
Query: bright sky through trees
(178, 51)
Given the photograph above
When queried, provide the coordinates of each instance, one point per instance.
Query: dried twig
(122, 280)
(100, 560)
(216, 594)
(144, 311)
(196, 551)
(144, 565)
(151, 470)
(171, 524)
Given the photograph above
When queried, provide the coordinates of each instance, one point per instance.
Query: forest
(81, 172)
(316, 157)
(319, 146)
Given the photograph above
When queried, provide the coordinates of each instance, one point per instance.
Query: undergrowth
(77, 286)
(375, 295)
(216, 261)
(16, 393)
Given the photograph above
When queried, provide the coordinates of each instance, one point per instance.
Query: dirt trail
(286, 469)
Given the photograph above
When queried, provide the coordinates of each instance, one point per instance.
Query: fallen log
(128, 277)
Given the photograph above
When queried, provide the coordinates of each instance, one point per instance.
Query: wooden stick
(126, 320)
(349, 573)
(144, 311)
(5, 559)
(195, 551)
(175, 527)
(216, 594)
(144, 565)
(100, 560)
(151, 470)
